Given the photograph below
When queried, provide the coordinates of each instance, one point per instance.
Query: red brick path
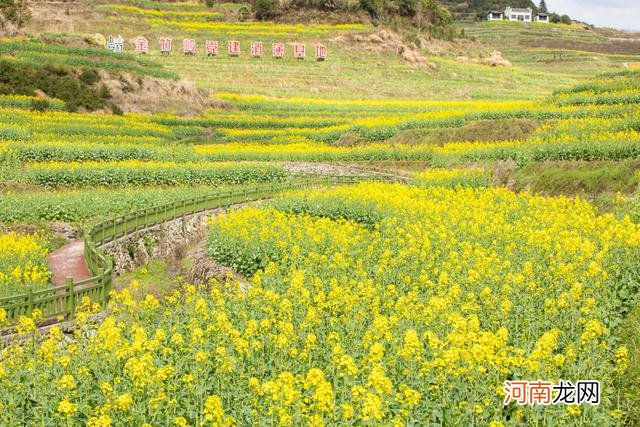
(68, 261)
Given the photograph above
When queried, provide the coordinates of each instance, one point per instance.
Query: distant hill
(471, 9)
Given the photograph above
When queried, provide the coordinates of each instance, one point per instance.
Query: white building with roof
(518, 14)
(495, 15)
(542, 17)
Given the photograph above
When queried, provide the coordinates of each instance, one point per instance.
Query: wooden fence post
(29, 302)
(71, 305)
(109, 278)
(102, 266)
(101, 281)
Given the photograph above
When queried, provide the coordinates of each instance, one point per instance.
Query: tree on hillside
(433, 18)
(266, 9)
(557, 19)
(14, 11)
(424, 15)
(481, 7)
(543, 7)
(371, 7)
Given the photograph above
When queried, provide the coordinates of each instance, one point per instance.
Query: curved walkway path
(68, 261)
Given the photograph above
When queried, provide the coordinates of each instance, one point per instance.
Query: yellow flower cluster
(65, 124)
(22, 263)
(382, 104)
(471, 177)
(371, 304)
(316, 129)
(253, 28)
(165, 13)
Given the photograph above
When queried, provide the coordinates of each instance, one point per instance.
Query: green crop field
(393, 236)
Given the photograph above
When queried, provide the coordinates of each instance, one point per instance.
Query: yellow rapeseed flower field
(22, 263)
(374, 304)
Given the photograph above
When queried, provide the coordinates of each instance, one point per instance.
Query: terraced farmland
(360, 241)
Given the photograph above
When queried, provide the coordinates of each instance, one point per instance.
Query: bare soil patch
(614, 46)
(150, 95)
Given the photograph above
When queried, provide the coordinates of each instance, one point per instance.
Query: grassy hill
(360, 66)
(428, 292)
(369, 102)
(559, 51)
(472, 9)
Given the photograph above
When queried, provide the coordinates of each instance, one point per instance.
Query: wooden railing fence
(62, 300)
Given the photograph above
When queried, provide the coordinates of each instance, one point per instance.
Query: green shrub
(116, 110)
(266, 9)
(371, 7)
(55, 80)
(15, 11)
(39, 104)
(89, 77)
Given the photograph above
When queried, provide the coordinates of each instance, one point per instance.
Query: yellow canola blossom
(253, 28)
(471, 177)
(374, 303)
(166, 13)
(22, 263)
(422, 104)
